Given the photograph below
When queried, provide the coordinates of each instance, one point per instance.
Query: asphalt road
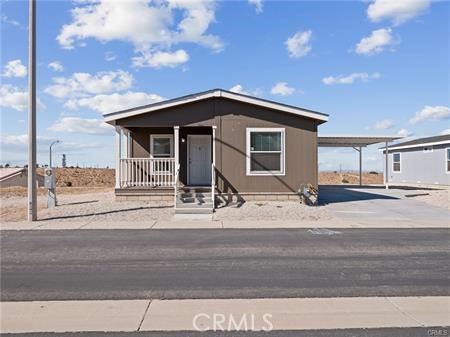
(131, 264)
(385, 332)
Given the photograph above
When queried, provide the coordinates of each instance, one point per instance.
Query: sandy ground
(336, 178)
(272, 210)
(94, 205)
(100, 206)
(440, 198)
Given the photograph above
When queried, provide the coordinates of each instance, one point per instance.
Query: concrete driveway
(376, 204)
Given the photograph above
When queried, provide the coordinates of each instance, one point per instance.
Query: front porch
(169, 165)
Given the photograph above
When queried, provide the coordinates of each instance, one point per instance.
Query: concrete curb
(214, 224)
(232, 314)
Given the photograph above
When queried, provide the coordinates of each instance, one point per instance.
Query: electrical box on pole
(50, 184)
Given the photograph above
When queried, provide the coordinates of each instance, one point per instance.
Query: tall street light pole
(32, 189)
(50, 161)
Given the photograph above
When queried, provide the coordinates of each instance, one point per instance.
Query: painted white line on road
(202, 314)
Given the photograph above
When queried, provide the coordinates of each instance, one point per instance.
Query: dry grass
(335, 178)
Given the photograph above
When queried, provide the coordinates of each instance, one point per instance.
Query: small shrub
(68, 183)
(344, 181)
(373, 172)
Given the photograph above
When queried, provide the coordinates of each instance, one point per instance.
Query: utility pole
(32, 190)
(64, 161)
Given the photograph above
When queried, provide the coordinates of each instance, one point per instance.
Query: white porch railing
(147, 172)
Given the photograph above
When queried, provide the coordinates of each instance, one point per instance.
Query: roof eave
(112, 117)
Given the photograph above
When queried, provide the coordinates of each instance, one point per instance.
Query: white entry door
(199, 160)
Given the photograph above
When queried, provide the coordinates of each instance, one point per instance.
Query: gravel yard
(98, 204)
(272, 210)
(101, 205)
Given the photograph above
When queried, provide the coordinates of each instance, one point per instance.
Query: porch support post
(386, 167)
(214, 145)
(176, 145)
(128, 141)
(213, 168)
(118, 154)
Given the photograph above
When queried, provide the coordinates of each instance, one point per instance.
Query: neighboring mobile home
(18, 176)
(420, 161)
(215, 145)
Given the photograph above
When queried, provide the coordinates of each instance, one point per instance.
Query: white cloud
(56, 66)
(351, 78)
(18, 144)
(110, 56)
(282, 88)
(404, 133)
(9, 21)
(376, 42)
(258, 5)
(114, 102)
(81, 125)
(14, 68)
(80, 84)
(431, 113)
(238, 89)
(398, 11)
(13, 97)
(161, 59)
(299, 44)
(149, 26)
(384, 124)
(445, 132)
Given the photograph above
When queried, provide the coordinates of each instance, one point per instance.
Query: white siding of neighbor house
(419, 167)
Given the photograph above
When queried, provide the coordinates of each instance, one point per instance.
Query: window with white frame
(265, 151)
(396, 165)
(447, 150)
(161, 146)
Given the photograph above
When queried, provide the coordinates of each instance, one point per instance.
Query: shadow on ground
(101, 213)
(331, 194)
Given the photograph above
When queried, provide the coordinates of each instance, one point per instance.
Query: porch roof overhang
(353, 140)
(113, 116)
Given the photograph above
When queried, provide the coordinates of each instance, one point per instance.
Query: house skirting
(257, 196)
(145, 194)
(167, 194)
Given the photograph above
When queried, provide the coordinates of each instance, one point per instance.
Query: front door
(199, 160)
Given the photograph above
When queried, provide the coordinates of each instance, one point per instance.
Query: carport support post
(118, 154)
(386, 168)
(360, 166)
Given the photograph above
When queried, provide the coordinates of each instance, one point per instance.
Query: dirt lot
(91, 196)
(82, 177)
(336, 178)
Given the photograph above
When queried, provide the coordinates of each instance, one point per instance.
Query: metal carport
(358, 142)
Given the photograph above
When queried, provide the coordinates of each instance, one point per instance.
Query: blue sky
(377, 67)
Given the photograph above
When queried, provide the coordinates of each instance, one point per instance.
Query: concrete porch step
(195, 195)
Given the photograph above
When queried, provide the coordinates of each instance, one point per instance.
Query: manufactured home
(215, 146)
(420, 161)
